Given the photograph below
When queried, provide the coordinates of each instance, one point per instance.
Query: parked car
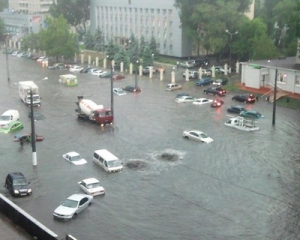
(146, 70)
(11, 127)
(118, 77)
(220, 82)
(217, 103)
(187, 64)
(9, 116)
(184, 99)
(75, 68)
(201, 62)
(215, 91)
(197, 135)
(41, 58)
(17, 184)
(173, 86)
(192, 75)
(91, 70)
(219, 70)
(96, 72)
(72, 206)
(182, 94)
(27, 138)
(105, 75)
(235, 109)
(85, 70)
(244, 98)
(14, 53)
(132, 89)
(91, 186)
(36, 115)
(119, 91)
(75, 158)
(204, 81)
(22, 54)
(206, 72)
(201, 101)
(251, 114)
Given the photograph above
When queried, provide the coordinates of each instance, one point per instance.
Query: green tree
(98, 40)
(76, 12)
(2, 29)
(121, 56)
(89, 40)
(31, 42)
(203, 25)
(133, 49)
(142, 45)
(57, 40)
(111, 50)
(153, 46)
(147, 56)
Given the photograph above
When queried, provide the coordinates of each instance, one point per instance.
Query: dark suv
(201, 62)
(244, 98)
(132, 89)
(17, 184)
(215, 91)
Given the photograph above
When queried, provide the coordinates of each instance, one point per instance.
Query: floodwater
(243, 185)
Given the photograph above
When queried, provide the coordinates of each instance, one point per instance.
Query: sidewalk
(8, 231)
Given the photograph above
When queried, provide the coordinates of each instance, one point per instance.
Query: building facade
(29, 6)
(118, 19)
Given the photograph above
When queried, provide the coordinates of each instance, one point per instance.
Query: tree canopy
(76, 12)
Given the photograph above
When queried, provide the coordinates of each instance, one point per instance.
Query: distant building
(250, 13)
(118, 19)
(29, 6)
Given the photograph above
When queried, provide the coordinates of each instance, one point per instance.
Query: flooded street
(243, 185)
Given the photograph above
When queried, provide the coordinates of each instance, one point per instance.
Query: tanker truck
(89, 111)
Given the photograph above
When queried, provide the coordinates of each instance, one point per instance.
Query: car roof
(201, 99)
(77, 196)
(72, 154)
(13, 122)
(16, 175)
(90, 180)
(196, 131)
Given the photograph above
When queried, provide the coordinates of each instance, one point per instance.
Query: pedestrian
(256, 98)
(21, 142)
(268, 98)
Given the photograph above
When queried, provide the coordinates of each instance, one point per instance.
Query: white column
(213, 71)
(130, 68)
(97, 61)
(104, 62)
(226, 69)
(150, 72)
(187, 76)
(161, 74)
(122, 67)
(200, 73)
(140, 70)
(173, 77)
(89, 59)
(237, 67)
(82, 59)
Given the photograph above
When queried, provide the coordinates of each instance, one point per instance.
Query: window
(297, 80)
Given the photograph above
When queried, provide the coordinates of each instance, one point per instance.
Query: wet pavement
(241, 186)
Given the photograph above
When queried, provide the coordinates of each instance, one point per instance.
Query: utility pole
(111, 88)
(231, 34)
(274, 100)
(7, 66)
(33, 140)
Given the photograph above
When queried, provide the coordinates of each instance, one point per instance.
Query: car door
(194, 136)
(82, 204)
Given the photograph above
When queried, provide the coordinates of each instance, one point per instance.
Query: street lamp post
(7, 66)
(33, 139)
(231, 34)
(274, 100)
(111, 87)
(135, 73)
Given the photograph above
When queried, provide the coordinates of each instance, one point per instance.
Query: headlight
(29, 190)
(16, 191)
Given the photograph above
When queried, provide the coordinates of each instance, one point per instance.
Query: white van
(9, 116)
(107, 160)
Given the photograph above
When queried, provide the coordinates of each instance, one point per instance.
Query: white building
(262, 73)
(29, 6)
(118, 19)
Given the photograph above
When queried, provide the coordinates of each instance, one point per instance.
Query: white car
(97, 72)
(74, 158)
(42, 58)
(201, 101)
(184, 99)
(119, 91)
(91, 186)
(173, 86)
(90, 71)
(72, 206)
(15, 53)
(197, 135)
(75, 68)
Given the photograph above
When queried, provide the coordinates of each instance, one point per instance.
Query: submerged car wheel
(186, 137)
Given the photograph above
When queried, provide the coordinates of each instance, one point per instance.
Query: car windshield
(19, 182)
(70, 203)
(76, 158)
(114, 163)
(203, 135)
(93, 185)
(4, 118)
